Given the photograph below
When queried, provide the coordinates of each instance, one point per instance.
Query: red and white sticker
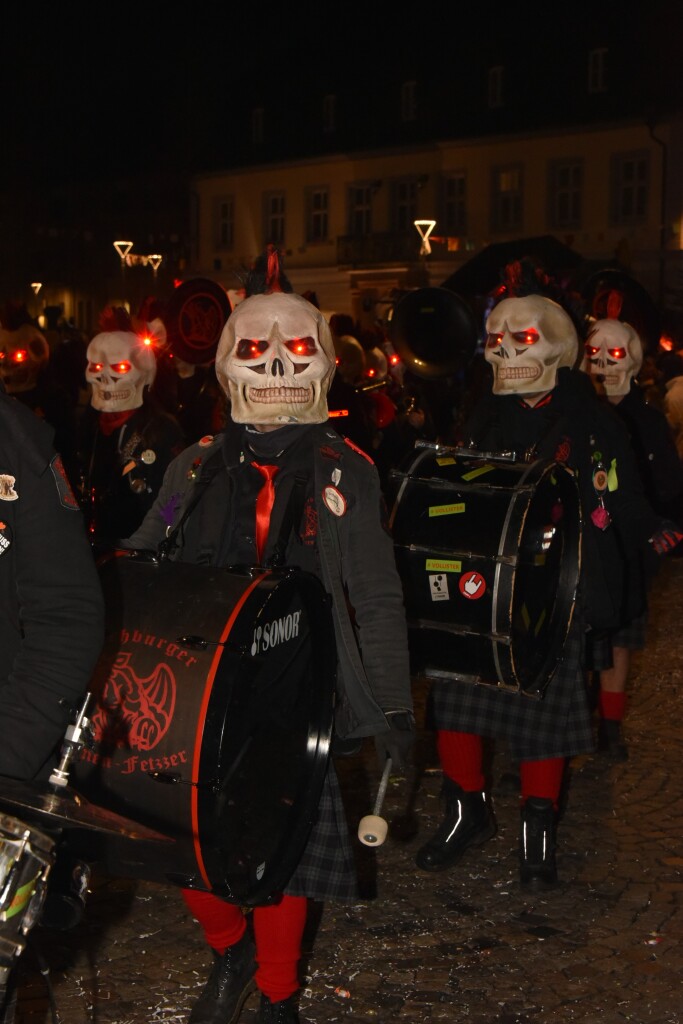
(334, 501)
(472, 585)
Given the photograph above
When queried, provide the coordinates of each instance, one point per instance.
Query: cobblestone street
(462, 946)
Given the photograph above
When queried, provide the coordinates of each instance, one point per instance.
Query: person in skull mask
(127, 439)
(613, 356)
(541, 407)
(275, 360)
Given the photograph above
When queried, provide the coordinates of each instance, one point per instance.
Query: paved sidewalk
(464, 946)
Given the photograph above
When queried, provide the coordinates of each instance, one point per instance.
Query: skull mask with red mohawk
(275, 357)
(121, 363)
(529, 336)
(613, 349)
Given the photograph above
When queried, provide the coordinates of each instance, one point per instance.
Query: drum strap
(292, 517)
(209, 471)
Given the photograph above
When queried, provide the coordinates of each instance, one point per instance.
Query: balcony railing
(380, 247)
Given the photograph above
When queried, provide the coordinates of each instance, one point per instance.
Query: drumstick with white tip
(372, 829)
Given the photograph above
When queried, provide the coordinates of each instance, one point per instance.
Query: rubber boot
(468, 822)
(537, 868)
(228, 985)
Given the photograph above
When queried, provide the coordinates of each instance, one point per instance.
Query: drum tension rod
(198, 643)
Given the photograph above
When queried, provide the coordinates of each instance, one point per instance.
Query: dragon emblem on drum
(135, 712)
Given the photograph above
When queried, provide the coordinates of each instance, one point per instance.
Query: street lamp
(36, 285)
(424, 230)
(155, 261)
(123, 248)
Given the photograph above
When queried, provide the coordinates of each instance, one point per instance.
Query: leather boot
(610, 739)
(281, 1012)
(228, 985)
(537, 868)
(468, 822)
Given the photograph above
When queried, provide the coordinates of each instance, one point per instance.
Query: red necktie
(264, 506)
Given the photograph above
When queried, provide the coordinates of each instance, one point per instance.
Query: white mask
(614, 353)
(529, 339)
(120, 366)
(275, 360)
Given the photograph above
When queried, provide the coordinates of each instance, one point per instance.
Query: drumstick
(372, 830)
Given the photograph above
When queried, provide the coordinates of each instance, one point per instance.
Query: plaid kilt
(557, 725)
(632, 635)
(326, 870)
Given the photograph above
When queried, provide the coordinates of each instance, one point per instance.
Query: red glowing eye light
(121, 367)
(528, 337)
(95, 367)
(395, 360)
(20, 356)
(493, 340)
(592, 350)
(617, 353)
(301, 346)
(250, 348)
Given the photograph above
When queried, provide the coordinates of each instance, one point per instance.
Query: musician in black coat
(541, 408)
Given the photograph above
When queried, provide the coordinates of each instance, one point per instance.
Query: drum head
(434, 332)
(215, 700)
(194, 318)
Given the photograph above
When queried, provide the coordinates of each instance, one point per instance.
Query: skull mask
(614, 354)
(23, 354)
(275, 360)
(120, 366)
(528, 340)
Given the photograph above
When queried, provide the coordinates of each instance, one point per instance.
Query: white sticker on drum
(438, 584)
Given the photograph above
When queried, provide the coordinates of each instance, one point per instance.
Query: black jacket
(52, 617)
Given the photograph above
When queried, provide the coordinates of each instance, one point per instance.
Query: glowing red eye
(250, 348)
(20, 356)
(395, 360)
(301, 346)
(337, 360)
(3, 356)
(122, 367)
(527, 337)
(370, 373)
(95, 367)
(493, 340)
(617, 353)
(591, 350)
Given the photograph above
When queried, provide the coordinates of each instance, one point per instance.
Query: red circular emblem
(472, 585)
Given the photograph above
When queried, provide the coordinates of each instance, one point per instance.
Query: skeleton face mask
(529, 339)
(120, 366)
(275, 360)
(23, 354)
(614, 354)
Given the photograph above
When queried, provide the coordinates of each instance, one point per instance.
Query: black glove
(397, 743)
(666, 538)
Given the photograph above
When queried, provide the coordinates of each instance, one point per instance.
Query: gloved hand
(666, 538)
(398, 741)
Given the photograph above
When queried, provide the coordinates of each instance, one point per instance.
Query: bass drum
(215, 694)
(488, 550)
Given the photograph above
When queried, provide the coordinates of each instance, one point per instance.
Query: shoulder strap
(292, 516)
(209, 470)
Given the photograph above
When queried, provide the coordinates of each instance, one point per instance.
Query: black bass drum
(488, 550)
(214, 706)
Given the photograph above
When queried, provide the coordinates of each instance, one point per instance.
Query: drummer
(275, 361)
(541, 407)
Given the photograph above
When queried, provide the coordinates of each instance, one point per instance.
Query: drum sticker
(5, 537)
(7, 492)
(334, 501)
(271, 634)
(446, 461)
(456, 508)
(472, 585)
(479, 471)
(442, 565)
(438, 585)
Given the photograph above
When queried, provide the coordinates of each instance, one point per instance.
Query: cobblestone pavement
(467, 945)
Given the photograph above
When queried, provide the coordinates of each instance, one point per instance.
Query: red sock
(223, 923)
(542, 778)
(460, 754)
(612, 705)
(278, 929)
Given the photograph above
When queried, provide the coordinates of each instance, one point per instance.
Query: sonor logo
(273, 633)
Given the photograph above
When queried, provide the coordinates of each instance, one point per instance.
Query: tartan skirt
(556, 725)
(327, 870)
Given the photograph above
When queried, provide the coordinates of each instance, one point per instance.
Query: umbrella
(481, 274)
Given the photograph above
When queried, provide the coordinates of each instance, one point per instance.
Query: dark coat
(52, 618)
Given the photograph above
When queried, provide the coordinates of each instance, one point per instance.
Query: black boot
(468, 822)
(228, 985)
(282, 1012)
(537, 868)
(610, 739)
